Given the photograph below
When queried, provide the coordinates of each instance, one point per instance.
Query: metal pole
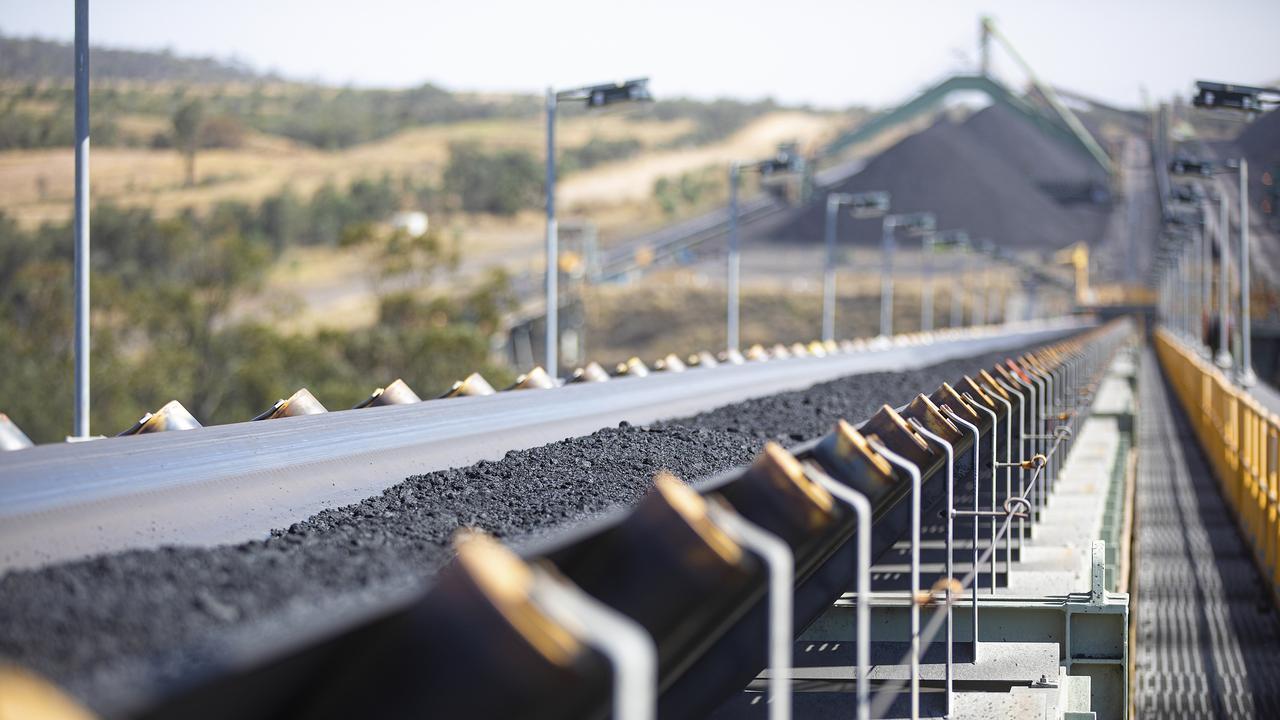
(957, 292)
(735, 258)
(977, 464)
(829, 269)
(1022, 424)
(995, 421)
(911, 469)
(81, 429)
(1206, 278)
(1190, 284)
(777, 557)
(995, 309)
(1223, 358)
(625, 642)
(926, 287)
(553, 241)
(1193, 293)
(948, 683)
(1184, 304)
(1247, 377)
(886, 277)
(980, 297)
(862, 508)
(1008, 482)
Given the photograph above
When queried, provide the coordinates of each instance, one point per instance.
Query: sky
(827, 53)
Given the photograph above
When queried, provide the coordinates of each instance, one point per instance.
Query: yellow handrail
(1241, 440)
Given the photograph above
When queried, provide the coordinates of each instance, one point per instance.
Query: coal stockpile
(1261, 139)
(1059, 170)
(996, 175)
(111, 625)
(1260, 143)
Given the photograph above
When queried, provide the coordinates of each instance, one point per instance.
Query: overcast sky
(827, 53)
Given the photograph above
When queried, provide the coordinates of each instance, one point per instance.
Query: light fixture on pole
(786, 161)
(864, 205)
(1215, 95)
(594, 96)
(916, 224)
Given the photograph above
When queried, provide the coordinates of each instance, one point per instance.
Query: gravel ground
(111, 624)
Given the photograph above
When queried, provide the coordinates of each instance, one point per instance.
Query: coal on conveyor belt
(110, 624)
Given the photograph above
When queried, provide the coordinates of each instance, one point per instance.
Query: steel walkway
(1207, 635)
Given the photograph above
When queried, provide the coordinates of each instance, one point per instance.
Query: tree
(502, 182)
(186, 135)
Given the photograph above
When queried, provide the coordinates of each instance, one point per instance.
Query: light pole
(594, 96)
(957, 291)
(981, 313)
(926, 284)
(1223, 358)
(916, 225)
(1247, 377)
(81, 429)
(1248, 99)
(786, 160)
(734, 262)
(862, 205)
(1206, 277)
(946, 238)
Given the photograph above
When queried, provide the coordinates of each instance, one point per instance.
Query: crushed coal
(107, 627)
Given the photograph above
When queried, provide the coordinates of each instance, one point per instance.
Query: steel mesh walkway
(1208, 638)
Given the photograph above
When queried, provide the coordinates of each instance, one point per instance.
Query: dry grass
(37, 185)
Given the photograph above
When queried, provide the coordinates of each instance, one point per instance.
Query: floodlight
(1232, 97)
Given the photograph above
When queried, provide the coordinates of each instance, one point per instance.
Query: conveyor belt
(1208, 637)
(61, 502)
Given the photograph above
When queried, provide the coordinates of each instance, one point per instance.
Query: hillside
(34, 59)
(134, 89)
(286, 161)
(260, 133)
